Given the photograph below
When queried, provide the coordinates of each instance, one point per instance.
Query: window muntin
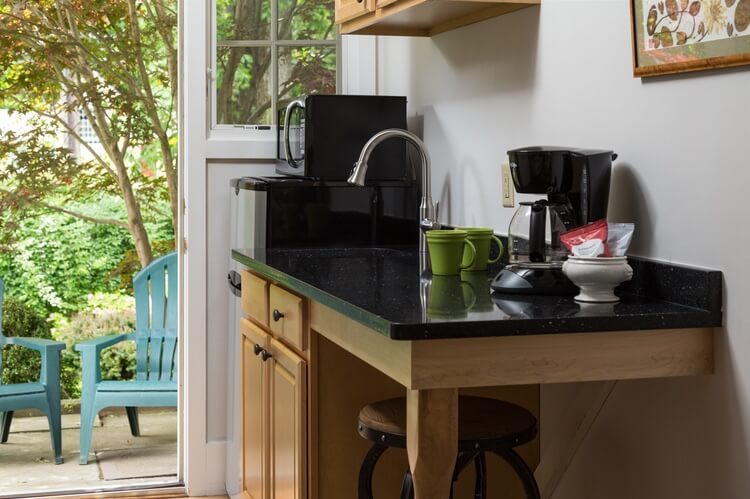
(266, 53)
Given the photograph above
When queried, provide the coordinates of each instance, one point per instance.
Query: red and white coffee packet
(588, 240)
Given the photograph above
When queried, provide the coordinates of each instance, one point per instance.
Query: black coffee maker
(576, 183)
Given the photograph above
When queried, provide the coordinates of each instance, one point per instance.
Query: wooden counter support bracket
(432, 440)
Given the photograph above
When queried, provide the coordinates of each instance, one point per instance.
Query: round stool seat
(483, 423)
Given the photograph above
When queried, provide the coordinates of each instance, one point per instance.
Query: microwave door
(294, 152)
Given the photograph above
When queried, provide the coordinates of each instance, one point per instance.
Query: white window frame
(226, 141)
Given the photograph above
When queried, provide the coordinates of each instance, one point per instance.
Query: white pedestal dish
(597, 277)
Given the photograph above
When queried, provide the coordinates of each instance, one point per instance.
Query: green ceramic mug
(482, 238)
(447, 249)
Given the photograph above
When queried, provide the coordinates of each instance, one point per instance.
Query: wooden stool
(484, 425)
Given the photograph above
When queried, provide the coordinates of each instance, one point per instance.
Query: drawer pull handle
(257, 349)
(277, 316)
(265, 355)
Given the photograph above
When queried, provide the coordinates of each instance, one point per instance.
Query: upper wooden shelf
(418, 17)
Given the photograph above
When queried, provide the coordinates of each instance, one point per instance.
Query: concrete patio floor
(118, 459)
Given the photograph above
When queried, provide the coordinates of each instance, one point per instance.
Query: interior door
(288, 424)
(254, 400)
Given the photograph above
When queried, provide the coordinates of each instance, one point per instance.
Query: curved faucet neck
(427, 215)
(360, 167)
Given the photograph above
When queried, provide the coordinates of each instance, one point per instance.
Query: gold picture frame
(676, 36)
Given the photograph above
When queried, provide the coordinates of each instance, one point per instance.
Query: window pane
(303, 70)
(306, 20)
(243, 19)
(243, 86)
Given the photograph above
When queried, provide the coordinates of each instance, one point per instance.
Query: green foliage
(20, 364)
(112, 62)
(103, 315)
(129, 264)
(58, 260)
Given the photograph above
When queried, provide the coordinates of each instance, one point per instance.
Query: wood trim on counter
(556, 358)
(522, 359)
(392, 358)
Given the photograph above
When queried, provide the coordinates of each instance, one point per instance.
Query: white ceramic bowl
(597, 277)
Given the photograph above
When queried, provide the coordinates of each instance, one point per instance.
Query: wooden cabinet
(287, 317)
(418, 17)
(349, 9)
(274, 390)
(255, 392)
(303, 382)
(255, 297)
(288, 424)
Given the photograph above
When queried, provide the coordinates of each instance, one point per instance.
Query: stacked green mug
(481, 238)
(447, 251)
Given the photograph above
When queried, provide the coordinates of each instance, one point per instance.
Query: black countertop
(382, 288)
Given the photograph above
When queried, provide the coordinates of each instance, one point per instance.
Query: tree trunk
(135, 223)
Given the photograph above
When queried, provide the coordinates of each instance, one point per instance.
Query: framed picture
(675, 36)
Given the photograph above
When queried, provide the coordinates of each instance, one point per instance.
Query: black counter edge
(533, 327)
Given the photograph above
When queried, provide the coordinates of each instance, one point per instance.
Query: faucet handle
(426, 224)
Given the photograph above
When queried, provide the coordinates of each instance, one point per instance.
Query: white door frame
(202, 473)
(203, 462)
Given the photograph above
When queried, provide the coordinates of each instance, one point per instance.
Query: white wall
(562, 75)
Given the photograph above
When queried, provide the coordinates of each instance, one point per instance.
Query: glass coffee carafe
(534, 234)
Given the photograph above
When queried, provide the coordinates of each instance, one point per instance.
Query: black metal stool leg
(366, 470)
(522, 470)
(480, 480)
(5, 426)
(407, 487)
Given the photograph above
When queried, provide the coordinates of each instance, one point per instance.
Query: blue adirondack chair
(43, 395)
(155, 336)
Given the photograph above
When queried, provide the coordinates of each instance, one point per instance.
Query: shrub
(104, 314)
(20, 364)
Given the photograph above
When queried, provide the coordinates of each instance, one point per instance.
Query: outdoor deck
(120, 459)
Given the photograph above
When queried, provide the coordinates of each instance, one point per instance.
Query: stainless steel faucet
(427, 212)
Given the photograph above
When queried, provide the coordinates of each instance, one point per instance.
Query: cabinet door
(254, 395)
(349, 9)
(288, 424)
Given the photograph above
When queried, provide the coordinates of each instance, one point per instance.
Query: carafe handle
(537, 230)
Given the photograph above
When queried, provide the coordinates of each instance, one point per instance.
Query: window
(266, 53)
(85, 130)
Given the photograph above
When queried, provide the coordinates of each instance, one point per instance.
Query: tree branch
(82, 216)
(88, 218)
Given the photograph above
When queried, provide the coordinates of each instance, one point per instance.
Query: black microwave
(321, 136)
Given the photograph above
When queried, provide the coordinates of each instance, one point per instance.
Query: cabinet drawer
(288, 317)
(255, 297)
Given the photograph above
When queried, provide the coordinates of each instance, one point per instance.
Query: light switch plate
(507, 186)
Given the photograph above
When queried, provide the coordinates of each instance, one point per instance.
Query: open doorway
(88, 201)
